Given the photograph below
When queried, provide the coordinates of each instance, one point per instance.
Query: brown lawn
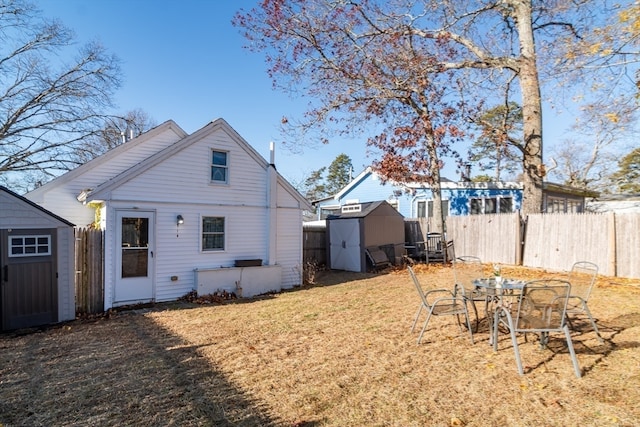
(339, 353)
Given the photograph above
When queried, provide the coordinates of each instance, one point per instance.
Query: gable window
(212, 233)
(20, 246)
(490, 205)
(219, 166)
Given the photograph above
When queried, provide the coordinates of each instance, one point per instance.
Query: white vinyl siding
(179, 184)
(185, 177)
(60, 195)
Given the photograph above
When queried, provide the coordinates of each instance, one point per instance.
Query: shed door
(29, 294)
(344, 241)
(134, 258)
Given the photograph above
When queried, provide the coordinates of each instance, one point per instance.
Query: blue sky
(183, 60)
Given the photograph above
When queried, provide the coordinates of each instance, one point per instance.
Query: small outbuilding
(37, 259)
(371, 226)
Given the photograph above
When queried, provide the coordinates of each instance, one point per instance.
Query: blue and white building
(415, 200)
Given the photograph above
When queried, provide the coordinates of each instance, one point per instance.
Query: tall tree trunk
(436, 188)
(531, 110)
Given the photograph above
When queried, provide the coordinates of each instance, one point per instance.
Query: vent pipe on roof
(466, 175)
(272, 209)
(272, 154)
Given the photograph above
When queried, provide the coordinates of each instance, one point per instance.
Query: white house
(179, 211)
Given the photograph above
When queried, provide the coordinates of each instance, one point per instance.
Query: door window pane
(135, 247)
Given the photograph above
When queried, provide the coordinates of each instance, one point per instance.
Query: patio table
(498, 292)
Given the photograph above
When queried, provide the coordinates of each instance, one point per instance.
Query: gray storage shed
(37, 264)
(361, 226)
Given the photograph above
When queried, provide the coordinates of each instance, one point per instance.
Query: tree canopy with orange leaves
(412, 73)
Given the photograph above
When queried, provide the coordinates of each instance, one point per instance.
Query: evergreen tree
(339, 174)
(627, 177)
(500, 127)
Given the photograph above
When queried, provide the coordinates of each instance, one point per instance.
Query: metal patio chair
(466, 269)
(541, 309)
(582, 278)
(439, 302)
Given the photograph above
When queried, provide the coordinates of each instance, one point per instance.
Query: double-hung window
(212, 233)
(219, 166)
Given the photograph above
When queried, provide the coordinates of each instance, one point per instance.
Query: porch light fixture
(179, 222)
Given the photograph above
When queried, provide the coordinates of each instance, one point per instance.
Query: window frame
(425, 206)
(215, 166)
(481, 205)
(204, 234)
(36, 245)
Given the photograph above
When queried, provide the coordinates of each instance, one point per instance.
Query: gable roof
(108, 156)
(219, 124)
(36, 206)
(368, 172)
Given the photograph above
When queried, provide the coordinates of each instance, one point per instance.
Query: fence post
(613, 259)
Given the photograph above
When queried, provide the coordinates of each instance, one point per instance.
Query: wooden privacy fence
(612, 241)
(89, 265)
(551, 241)
(314, 245)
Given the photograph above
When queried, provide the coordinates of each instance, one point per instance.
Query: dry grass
(339, 353)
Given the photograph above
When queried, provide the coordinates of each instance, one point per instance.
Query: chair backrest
(416, 282)
(582, 278)
(543, 305)
(466, 269)
(434, 242)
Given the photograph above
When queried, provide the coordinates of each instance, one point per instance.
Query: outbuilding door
(344, 242)
(134, 256)
(29, 292)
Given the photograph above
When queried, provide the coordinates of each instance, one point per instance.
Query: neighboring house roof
(566, 189)
(362, 176)
(621, 203)
(101, 191)
(36, 206)
(449, 184)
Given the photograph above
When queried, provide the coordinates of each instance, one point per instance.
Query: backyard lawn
(338, 353)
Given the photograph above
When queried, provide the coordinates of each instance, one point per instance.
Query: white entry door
(134, 259)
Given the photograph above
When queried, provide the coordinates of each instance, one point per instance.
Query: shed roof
(363, 210)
